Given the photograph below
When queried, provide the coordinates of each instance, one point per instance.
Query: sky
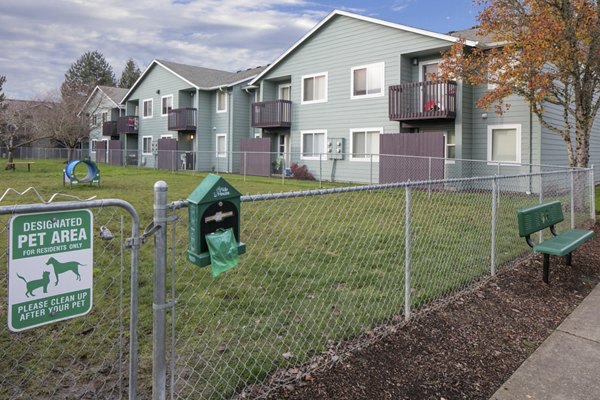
(40, 39)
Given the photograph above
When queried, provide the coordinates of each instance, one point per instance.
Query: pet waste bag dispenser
(214, 214)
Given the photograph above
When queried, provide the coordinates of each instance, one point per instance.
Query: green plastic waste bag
(223, 250)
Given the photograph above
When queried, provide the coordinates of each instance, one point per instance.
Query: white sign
(50, 268)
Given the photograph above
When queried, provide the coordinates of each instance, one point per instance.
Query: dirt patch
(464, 349)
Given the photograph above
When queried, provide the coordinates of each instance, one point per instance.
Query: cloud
(42, 39)
(400, 5)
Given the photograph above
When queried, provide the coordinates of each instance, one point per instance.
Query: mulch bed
(466, 348)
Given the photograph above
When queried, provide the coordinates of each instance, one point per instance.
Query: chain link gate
(328, 271)
(86, 357)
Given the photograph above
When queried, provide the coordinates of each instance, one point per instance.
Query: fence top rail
(71, 205)
(408, 184)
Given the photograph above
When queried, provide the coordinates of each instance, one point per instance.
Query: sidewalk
(567, 365)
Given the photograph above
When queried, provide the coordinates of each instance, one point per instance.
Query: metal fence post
(429, 179)
(494, 209)
(371, 170)
(282, 167)
(159, 320)
(540, 233)
(572, 199)
(592, 195)
(245, 165)
(320, 170)
(407, 258)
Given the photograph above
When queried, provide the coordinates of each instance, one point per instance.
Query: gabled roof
(114, 94)
(200, 78)
(334, 13)
(474, 35)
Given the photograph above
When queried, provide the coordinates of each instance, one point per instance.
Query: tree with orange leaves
(546, 51)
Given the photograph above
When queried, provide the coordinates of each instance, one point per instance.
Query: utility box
(335, 148)
(214, 205)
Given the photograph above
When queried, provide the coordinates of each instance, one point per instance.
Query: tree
(130, 74)
(3, 105)
(18, 125)
(83, 75)
(547, 52)
(61, 122)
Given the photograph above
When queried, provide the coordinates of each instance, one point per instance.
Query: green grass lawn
(317, 270)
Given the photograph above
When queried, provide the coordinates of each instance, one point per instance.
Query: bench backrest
(541, 216)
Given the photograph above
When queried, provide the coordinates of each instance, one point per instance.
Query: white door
(283, 148)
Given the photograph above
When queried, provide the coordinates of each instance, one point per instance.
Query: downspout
(229, 128)
(196, 144)
(531, 146)
(254, 99)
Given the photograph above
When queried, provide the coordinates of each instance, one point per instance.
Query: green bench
(547, 215)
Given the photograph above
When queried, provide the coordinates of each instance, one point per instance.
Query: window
(166, 104)
(450, 147)
(221, 101)
(94, 142)
(221, 145)
(95, 120)
(285, 91)
(313, 144)
(367, 81)
(147, 145)
(147, 111)
(314, 88)
(364, 143)
(504, 143)
(104, 117)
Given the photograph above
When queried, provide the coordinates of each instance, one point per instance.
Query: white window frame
(324, 100)
(94, 119)
(446, 159)
(379, 65)
(363, 159)
(150, 149)
(217, 101)
(313, 131)
(167, 135)
(490, 130)
(151, 101)
(283, 86)
(162, 99)
(93, 144)
(217, 136)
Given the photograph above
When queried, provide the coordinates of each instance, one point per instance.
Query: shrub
(301, 172)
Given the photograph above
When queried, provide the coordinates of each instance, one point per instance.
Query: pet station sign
(49, 268)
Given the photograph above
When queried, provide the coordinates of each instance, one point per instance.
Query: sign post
(50, 268)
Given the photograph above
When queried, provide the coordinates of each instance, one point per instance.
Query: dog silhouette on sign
(37, 283)
(60, 268)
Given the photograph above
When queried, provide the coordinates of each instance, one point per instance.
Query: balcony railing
(182, 119)
(127, 125)
(272, 114)
(109, 128)
(422, 100)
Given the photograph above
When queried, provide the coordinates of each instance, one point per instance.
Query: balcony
(109, 128)
(127, 125)
(182, 119)
(272, 114)
(422, 101)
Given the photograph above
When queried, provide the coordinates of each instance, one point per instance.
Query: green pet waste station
(214, 225)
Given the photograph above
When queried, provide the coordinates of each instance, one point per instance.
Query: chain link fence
(88, 357)
(357, 168)
(327, 271)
